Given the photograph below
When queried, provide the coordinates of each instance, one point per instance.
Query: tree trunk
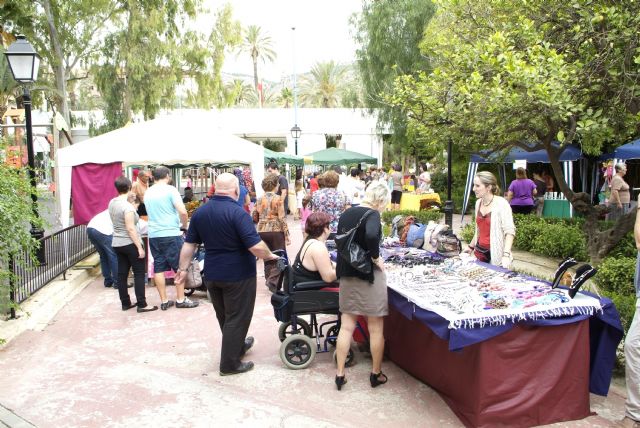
(599, 243)
(58, 68)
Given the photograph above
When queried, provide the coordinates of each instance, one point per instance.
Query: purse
(448, 244)
(194, 278)
(351, 252)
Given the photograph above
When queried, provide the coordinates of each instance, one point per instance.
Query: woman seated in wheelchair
(313, 262)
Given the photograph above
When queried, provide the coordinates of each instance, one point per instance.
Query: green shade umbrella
(333, 156)
(282, 157)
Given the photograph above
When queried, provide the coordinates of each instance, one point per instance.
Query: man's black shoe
(242, 368)
(147, 309)
(248, 344)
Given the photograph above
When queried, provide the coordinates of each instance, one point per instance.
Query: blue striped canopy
(626, 151)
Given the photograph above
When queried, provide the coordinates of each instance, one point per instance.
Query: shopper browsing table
(360, 293)
(231, 246)
(494, 232)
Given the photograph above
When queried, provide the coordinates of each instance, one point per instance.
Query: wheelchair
(302, 340)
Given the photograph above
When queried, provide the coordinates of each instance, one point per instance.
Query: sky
(322, 33)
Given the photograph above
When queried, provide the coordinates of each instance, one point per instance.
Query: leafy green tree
(389, 33)
(259, 47)
(323, 85)
(528, 74)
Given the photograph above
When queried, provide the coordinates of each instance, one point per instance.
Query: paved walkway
(94, 365)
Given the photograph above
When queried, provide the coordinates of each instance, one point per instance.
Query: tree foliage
(389, 33)
(528, 74)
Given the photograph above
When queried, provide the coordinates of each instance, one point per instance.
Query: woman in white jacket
(494, 230)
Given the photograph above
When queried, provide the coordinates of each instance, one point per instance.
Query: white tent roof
(184, 138)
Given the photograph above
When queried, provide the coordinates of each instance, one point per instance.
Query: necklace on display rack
(486, 204)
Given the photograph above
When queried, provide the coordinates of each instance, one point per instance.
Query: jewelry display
(470, 294)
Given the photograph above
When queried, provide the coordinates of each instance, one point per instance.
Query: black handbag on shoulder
(351, 252)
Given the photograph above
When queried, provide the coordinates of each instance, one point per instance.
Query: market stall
(569, 155)
(88, 169)
(412, 201)
(500, 348)
(335, 156)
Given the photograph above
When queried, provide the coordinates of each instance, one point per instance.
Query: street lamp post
(24, 63)
(448, 205)
(295, 134)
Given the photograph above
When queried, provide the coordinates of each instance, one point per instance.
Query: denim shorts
(165, 252)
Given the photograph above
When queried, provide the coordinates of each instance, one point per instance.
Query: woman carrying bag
(363, 293)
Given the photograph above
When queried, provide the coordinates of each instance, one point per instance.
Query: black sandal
(376, 380)
(340, 381)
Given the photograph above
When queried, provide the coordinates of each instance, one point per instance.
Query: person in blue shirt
(167, 216)
(231, 246)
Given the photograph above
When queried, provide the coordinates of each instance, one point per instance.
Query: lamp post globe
(24, 64)
(295, 134)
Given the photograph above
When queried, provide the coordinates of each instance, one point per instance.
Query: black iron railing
(62, 250)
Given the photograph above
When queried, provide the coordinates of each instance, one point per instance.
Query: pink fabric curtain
(92, 188)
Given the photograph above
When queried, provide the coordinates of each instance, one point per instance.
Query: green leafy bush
(560, 241)
(616, 275)
(466, 234)
(423, 216)
(528, 228)
(625, 248)
(626, 306)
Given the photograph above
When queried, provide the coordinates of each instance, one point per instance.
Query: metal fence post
(12, 290)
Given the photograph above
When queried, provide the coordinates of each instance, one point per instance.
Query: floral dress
(330, 201)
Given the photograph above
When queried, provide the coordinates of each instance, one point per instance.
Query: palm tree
(285, 98)
(322, 87)
(238, 91)
(258, 46)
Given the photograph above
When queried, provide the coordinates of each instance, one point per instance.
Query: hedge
(423, 216)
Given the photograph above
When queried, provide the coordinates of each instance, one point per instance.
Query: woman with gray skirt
(360, 293)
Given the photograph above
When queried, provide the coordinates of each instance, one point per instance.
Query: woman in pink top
(521, 193)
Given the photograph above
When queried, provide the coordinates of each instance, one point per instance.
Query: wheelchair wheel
(297, 351)
(332, 335)
(285, 330)
(350, 361)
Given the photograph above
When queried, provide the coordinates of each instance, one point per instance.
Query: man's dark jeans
(233, 303)
(128, 259)
(108, 259)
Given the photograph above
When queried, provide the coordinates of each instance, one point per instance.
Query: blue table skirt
(605, 331)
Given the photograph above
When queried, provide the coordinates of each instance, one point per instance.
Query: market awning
(281, 157)
(334, 156)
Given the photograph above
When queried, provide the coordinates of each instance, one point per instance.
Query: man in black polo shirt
(283, 189)
(232, 245)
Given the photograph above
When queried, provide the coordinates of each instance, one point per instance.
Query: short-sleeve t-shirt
(118, 207)
(163, 216)
(227, 232)
(284, 184)
(522, 190)
(618, 183)
(396, 176)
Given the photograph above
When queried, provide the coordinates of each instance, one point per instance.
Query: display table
(529, 369)
(556, 208)
(411, 201)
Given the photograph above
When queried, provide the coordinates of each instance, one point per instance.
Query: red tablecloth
(527, 376)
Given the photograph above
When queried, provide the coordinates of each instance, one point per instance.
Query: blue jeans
(108, 259)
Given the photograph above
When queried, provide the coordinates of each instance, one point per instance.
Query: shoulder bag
(351, 252)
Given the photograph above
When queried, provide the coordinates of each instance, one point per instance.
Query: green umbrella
(333, 156)
(282, 158)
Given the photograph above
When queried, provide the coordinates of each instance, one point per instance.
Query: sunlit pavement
(94, 365)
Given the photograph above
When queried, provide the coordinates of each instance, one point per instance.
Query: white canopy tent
(181, 139)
